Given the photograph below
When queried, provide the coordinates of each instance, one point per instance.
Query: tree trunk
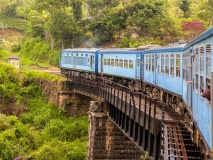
(73, 40)
(52, 42)
(62, 43)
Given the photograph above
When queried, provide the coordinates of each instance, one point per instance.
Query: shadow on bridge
(153, 126)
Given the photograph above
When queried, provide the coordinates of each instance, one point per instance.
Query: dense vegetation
(74, 23)
(37, 129)
(51, 25)
(34, 128)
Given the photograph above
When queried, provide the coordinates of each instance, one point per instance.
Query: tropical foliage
(35, 128)
(87, 22)
(52, 25)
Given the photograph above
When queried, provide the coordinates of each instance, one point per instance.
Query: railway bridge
(132, 125)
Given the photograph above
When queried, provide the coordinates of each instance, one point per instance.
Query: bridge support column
(106, 141)
(63, 96)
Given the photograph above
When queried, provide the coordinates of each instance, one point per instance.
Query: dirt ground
(11, 35)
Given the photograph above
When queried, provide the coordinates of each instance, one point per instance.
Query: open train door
(101, 63)
(92, 60)
(155, 66)
(137, 68)
(190, 72)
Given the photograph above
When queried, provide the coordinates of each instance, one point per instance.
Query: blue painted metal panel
(117, 70)
(185, 92)
(169, 83)
(201, 112)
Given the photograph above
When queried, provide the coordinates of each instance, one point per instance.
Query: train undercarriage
(174, 100)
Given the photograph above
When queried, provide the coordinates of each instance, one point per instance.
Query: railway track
(177, 144)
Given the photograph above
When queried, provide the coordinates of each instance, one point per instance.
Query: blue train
(179, 75)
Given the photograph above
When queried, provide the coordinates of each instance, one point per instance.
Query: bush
(16, 48)
(16, 138)
(4, 55)
(10, 82)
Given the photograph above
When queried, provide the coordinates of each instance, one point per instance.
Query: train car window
(147, 62)
(76, 54)
(86, 55)
(125, 63)
(201, 67)
(72, 54)
(172, 71)
(162, 63)
(130, 63)
(68, 60)
(80, 61)
(82, 55)
(112, 62)
(120, 62)
(159, 59)
(116, 62)
(153, 62)
(167, 64)
(177, 65)
(196, 69)
(150, 62)
(208, 66)
(105, 61)
(108, 61)
(67, 54)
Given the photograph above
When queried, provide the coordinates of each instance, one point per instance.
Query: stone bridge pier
(106, 141)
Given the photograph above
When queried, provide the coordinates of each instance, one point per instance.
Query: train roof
(172, 48)
(208, 33)
(81, 49)
(149, 46)
(121, 50)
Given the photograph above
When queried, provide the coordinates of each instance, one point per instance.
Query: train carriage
(162, 68)
(124, 64)
(79, 62)
(197, 68)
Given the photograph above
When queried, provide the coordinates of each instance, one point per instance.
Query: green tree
(99, 7)
(185, 7)
(77, 9)
(109, 27)
(59, 25)
(142, 16)
(205, 11)
(36, 24)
